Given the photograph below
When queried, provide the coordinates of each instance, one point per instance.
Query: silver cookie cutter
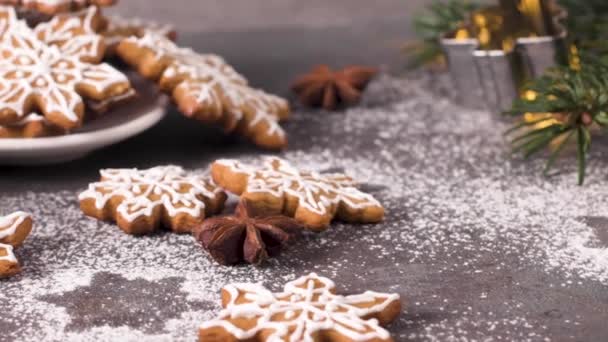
(490, 79)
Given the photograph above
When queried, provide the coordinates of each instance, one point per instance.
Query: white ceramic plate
(113, 127)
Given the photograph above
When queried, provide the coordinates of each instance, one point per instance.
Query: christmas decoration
(503, 46)
(439, 18)
(246, 236)
(567, 102)
(572, 102)
(332, 89)
(587, 24)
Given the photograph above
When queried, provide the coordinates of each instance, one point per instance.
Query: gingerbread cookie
(14, 229)
(8, 18)
(33, 126)
(56, 6)
(103, 106)
(75, 34)
(9, 265)
(311, 198)
(307, 310)
(206, 88)
(119, 29)
(51, 79)
(141, 201)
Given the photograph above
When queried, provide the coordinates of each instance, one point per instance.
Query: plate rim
(94, 139)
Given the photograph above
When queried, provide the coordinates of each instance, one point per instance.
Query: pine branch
(441, 17)
(576, 99)
(587, 25)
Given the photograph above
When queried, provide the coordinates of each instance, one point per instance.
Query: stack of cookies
(59, 66)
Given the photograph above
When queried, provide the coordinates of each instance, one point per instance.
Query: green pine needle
(440, 18)
(587, 25)
(579, 98)
(583, 142)
(555, 154)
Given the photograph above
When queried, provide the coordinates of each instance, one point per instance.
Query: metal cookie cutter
(490, 79)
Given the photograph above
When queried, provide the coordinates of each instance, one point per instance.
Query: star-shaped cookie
(206, 88)
(142, 201)
(310, 197)
(50, 71)
(120, 28)
(33, 126)
(14, 229)
(307, 310)
(75, 34)
(56, 6)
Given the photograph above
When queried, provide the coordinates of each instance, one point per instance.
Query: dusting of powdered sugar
(473, 240)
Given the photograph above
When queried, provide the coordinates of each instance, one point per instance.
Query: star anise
(323, 87)
(246, 236)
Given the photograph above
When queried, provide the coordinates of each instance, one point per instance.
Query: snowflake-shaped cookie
(33, 126)
(14, 229)
(141, 201)
(75, 34)
(36, 76)
(8, 18)
(206, 88)
(120, 28)
(56, 6)
(311, 198)
(307, 310)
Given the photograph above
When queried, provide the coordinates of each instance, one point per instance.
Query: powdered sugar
(478, 244)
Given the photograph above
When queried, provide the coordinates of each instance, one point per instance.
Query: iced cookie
(75, 34)
(56, 6)
(311, 198)
(120, 28)
(206, 88)
(52, 78)
(142, 201)
(307, 310)
(9, 265)
(33, 126)
(14, 229)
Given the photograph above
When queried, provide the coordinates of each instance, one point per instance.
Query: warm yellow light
(575, 60)
(533, 10)
(508, 44)
(530, 95)
(484, 36)
(550, 119)
(480, 20)
(462, 34)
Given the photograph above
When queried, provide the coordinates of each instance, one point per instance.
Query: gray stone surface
(480, 246)
(231, 15)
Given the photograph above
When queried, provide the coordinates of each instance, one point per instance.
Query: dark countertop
(480, 246)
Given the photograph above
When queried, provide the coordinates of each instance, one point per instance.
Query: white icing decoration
(34, 117)
(8, 227)
(53, 3)
(8, 17)
(137, 187)
(212, 81)
(10, 255)
(316, 309)
(316, 192)
(48, 73)
(74, 34)
(10, 223)
(117, 25)
(22, 124)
